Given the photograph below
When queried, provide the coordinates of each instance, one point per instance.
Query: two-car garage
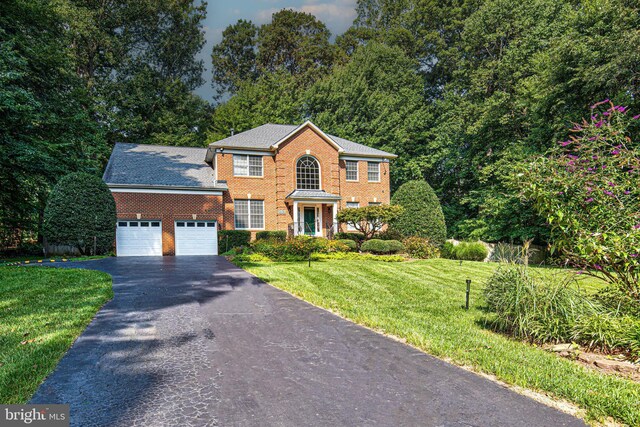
(144, 238)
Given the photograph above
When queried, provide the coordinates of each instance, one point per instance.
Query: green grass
(421, 301)
(42, 311)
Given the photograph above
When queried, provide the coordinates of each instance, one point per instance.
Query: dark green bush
(374, 246)
(422, 215)
(419, 247)
(471, 251)
(228, 239)
(356, 237)
(81, 212)
(377, 246)
(394, 247)
(389, 234)
(349, 244)
(271, 235)
(448, 251)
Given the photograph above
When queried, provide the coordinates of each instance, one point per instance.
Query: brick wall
(280, 179)
(169, 208)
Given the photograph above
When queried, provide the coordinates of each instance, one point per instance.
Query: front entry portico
(314, 213)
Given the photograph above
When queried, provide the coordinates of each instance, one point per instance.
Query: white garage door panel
(139, 238)
(196, 238)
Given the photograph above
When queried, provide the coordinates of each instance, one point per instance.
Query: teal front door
(310, 221)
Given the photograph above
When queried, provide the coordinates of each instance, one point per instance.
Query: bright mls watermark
(34, 415)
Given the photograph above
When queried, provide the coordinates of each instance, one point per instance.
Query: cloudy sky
(337, 15)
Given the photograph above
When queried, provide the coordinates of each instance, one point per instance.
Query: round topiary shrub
(471, 251)
(374, 246)
(422, 215)
(81, 212)
(394, 247)
(351, 244)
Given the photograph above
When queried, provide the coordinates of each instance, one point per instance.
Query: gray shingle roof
(155, 165)
(312, 194)
(263, 137)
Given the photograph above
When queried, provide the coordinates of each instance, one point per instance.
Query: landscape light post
(466, 305)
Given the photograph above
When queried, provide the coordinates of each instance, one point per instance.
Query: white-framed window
(307, 173)
(373, 171)
(349, 206)
(352, 170)
(374, 203)
(248, 214)
(247, 165)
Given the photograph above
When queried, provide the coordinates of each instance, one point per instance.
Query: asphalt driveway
(198, 341)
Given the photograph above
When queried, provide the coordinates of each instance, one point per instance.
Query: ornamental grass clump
(536, 309)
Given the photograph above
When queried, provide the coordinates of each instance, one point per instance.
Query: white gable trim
(316, 129)
(156, 190)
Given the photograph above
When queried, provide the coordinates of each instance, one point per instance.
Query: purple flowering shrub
(588, 189)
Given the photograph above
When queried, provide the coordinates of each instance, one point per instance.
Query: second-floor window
(245, 165)
(352, 170)
(307, 174)
(373, 171)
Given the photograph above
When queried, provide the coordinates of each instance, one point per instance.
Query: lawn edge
(539, 396)
(93, 318)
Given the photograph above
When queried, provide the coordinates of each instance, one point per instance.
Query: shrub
(419, 247)
(228, 239)
(377, 246)
(389, 234)
(448, 251)
(587, 184)
(81, 212)
(422, 215)
(374, 246)
(350, 244)
(271, 235)
(529, 309)
(471, 251)
(356, 237)
(394, 246)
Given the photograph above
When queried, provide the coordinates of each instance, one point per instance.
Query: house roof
(267, 136)
(160, 166)
(312, 195)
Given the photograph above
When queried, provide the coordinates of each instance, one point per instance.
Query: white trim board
(165, 191)
(365, 159)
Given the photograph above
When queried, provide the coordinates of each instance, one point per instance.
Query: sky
(337, 16)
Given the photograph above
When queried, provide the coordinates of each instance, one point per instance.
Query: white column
(295, 218)
(335, 217)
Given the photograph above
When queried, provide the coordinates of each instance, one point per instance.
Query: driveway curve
(195, 341)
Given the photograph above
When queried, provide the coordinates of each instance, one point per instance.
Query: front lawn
(42, 312)
(421, 301)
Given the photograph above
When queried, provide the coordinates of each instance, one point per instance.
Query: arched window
(307, 173)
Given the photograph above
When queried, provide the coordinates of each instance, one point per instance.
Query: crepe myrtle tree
(587, 188)
(368, 220)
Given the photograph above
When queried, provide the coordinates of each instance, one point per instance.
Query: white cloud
(338, 15)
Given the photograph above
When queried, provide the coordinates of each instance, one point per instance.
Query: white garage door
(196, 238)
(139, 238)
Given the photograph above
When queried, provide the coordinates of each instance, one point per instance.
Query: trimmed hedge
(419, 247)
(356, 237)
(377, 246)
(349, 243)
(228, 239)
(422, 215)
(81, 212)
(271, 235)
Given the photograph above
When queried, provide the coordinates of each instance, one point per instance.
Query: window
(374, 203)
(373, 171)
(307, 174)
(352, 170)
(122, 224)
(249, 214)
(352, 205)
(245, 165)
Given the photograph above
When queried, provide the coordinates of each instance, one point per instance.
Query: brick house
(172, 200)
